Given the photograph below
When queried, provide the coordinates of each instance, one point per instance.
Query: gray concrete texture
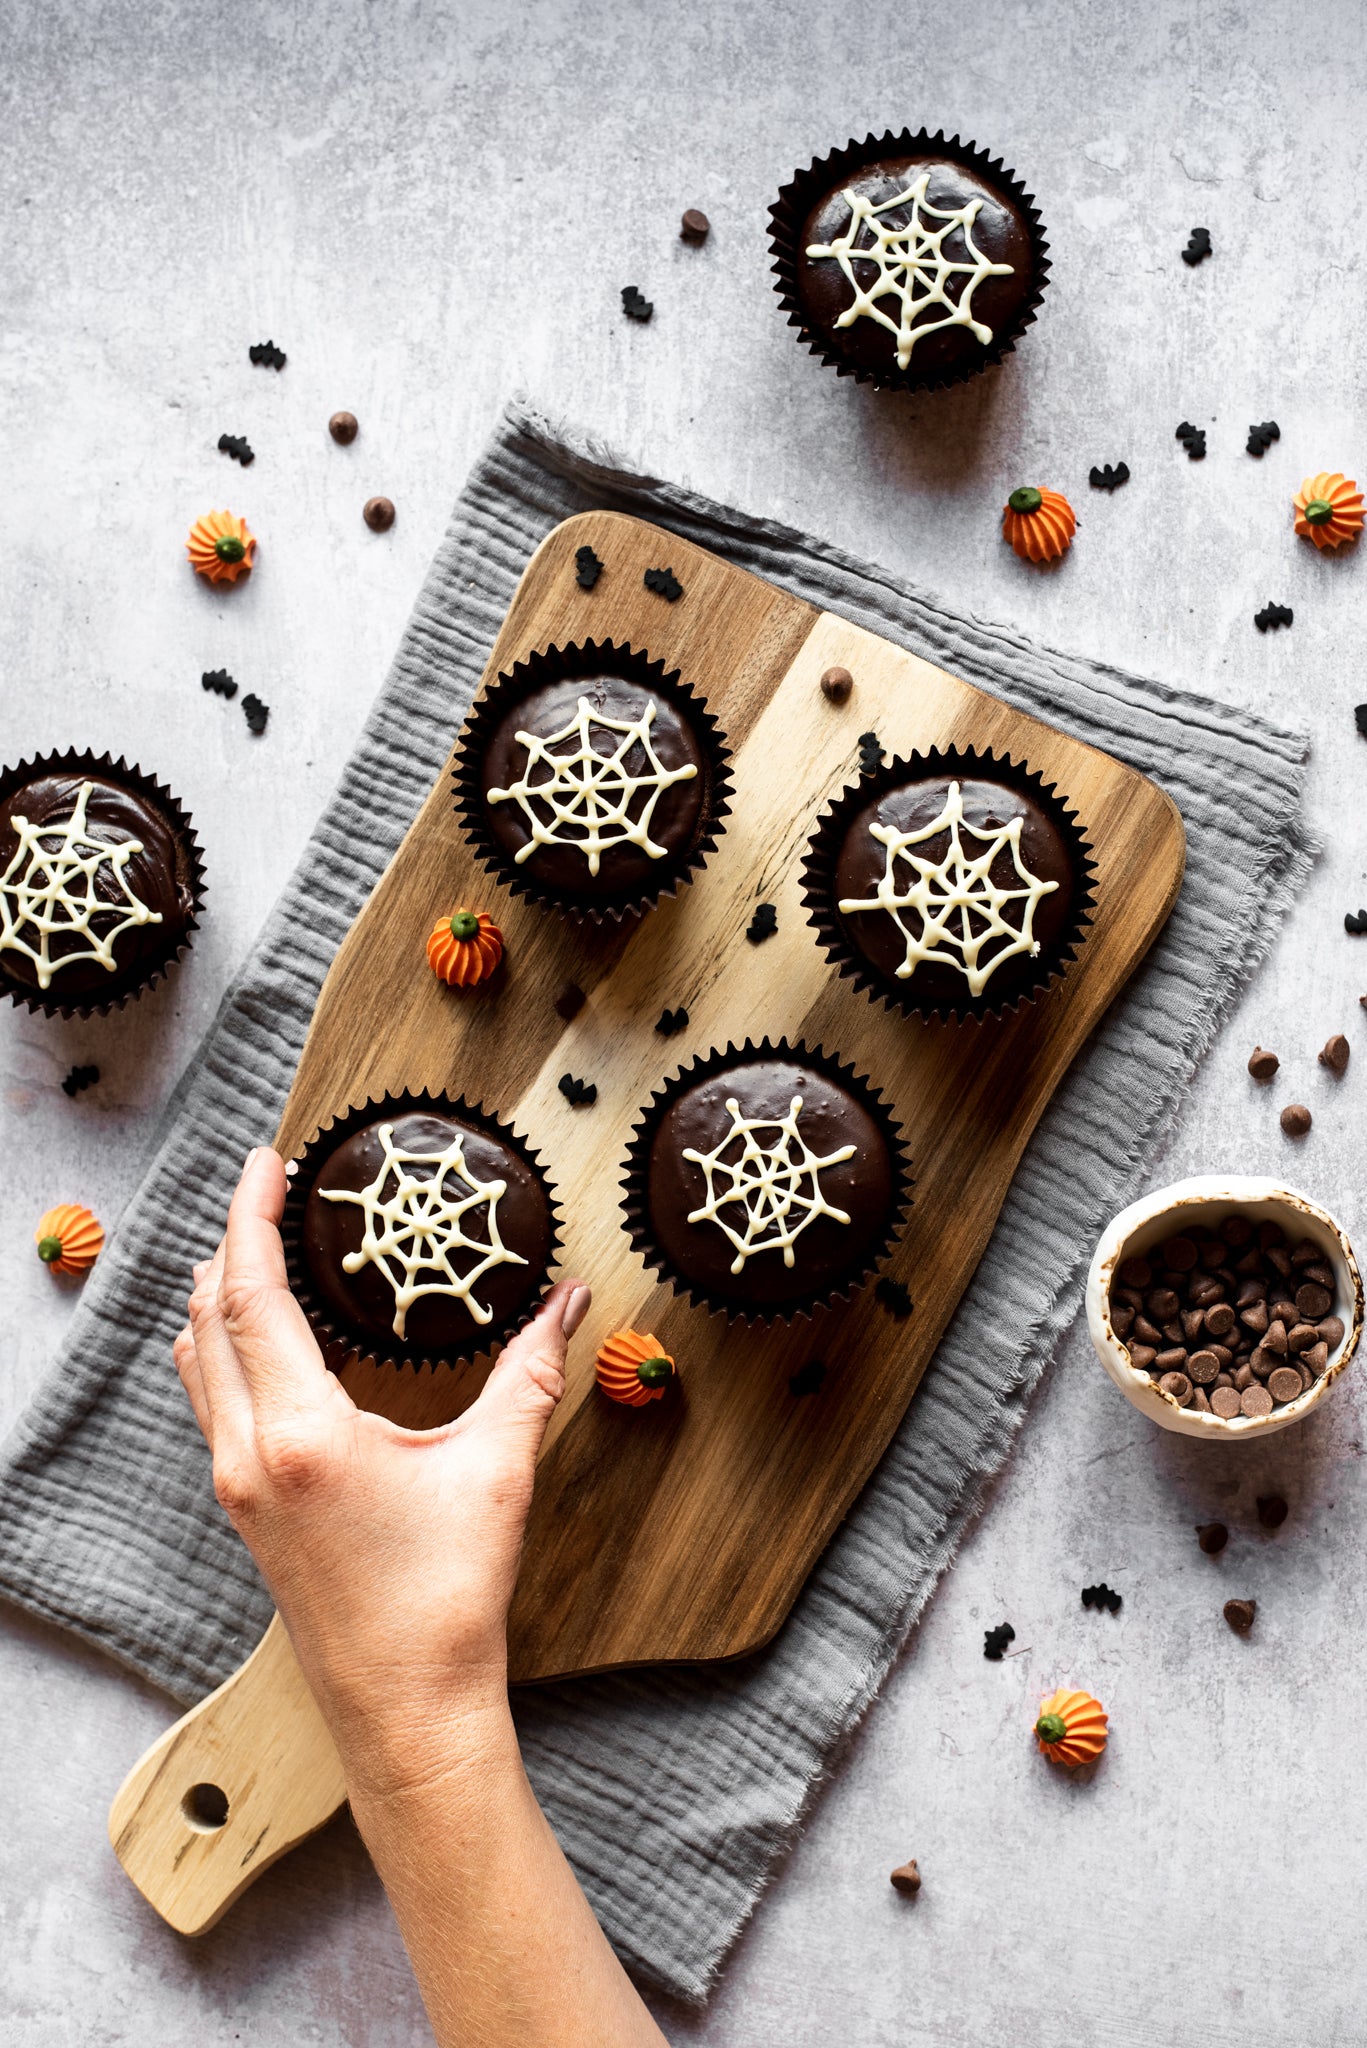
(428, 207)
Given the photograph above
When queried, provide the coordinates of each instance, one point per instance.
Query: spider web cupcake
(766, 1181)
(952, 883)
(590, 781)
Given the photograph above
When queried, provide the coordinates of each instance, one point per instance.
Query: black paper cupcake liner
(961, 764)
(636, 1200)
(552, 664)
(124, 986)
(342, 1344)
(796, 199)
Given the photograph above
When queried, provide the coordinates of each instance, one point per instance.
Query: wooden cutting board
(682, 1530)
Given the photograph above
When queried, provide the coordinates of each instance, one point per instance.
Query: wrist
(417, 1744)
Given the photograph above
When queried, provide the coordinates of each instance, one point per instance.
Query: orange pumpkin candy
(1039, 524)
(464, 948)
(1071, 1728)
(220, 547)
(1328, 509)
(633, 1368)
(69, 1239)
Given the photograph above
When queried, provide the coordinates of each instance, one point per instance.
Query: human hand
(391, 1553)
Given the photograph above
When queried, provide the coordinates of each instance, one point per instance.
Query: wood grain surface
(682, 1530)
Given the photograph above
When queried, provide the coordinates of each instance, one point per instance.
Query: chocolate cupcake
(591, 781)
(766, 1181)
(418, 1230)
(909, 261)
(953, 883)
(100, 883)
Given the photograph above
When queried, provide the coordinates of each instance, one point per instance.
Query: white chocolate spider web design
(956, 904)
(589, 795)
(50, 887)
(765, 1178)
(912, 266)
(420, 1225)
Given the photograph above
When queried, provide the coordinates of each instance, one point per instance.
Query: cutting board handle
(239, 1780)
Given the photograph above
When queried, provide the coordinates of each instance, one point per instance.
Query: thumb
(524, 1389)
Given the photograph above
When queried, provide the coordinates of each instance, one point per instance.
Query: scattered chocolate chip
(1198, 248)
(664, 583)
(256, 713)
(267, 353)
(1273, 615)
(1335, 1054)
(1110, 479)
(807, 1379)
(894, 1298)
(634, 305)
(1261, 1064)
(763, 924)
(1101, 1596)
(344, 427)
(219, 681)
(870, 753)
(836, 684)
(995, 1641)
(1296, 1119)
(907, 1878)
(569, 1000)
(1212, 1537)
(1261, 437)
(579, 1094)
(238, 446)
(695, 226)
(1193, 440)
(672, 1021)
(587, 567)
(1272, 1510)
(80, 1078)
(1356, 921)
(378, 514)
(1239, 1614)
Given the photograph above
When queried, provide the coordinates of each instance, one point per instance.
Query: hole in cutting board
(205, 1807)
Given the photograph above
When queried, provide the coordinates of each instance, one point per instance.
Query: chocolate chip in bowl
(1224, 1306)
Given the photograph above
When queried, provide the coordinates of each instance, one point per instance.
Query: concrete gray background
(429, 207)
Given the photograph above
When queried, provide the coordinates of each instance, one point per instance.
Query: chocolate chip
(1180, 1254)
(1243, 1378)
(569, 1000)
(1256, 1401)
(1313, 1301)
(1272, 1510)
(1315, 1359)
(1239, 1614)
(1212, 1537)
(1171, 1361)
(1331, 1330)
(1179, 1386)
(1142, 1356)
(1285, 1384)
(836, 684)
(1224, 1402)
(1279, 1260)
(1296, 1119)
(344, 427)
(695, 227)
(1236, 1230)
(1202, 1367)
(1262, 1065)
(1200, 1401)
(1275, 1339)
(1335, 1053)
(1193, 1321)
(1135, 1273)
(378, 514)
(1122, 1316)
(1162, 1304)
(1254, 1317)
(1301, 1336)
(1306, 1253)
(1219, 1319)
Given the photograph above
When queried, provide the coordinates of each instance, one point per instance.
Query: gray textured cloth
(672, 1790)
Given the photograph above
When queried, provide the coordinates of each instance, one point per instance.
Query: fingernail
(199, 1269)
(576, 1308)
(250, 1156)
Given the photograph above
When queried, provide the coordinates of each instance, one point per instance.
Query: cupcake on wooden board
(100, 883)
(591, 781)
(766, 1181)
(951, 883)
(418, 1230)
(910, 261)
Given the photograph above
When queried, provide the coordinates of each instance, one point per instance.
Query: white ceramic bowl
(1161, 1215)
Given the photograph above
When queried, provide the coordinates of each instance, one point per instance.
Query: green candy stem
(653, 1372)
(1051, 1727)
(464, 925)
(49, 1249)
(229, 548)
(1026, 499)
(1319, 511)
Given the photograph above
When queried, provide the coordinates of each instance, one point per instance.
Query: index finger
(277, 1350)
